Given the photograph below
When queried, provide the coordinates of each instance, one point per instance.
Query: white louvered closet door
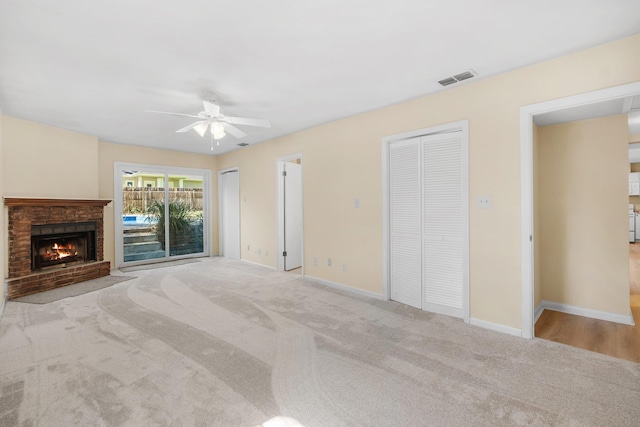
(442, 223)
(405, 222)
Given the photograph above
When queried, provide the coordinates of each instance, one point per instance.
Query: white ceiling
(94, 67)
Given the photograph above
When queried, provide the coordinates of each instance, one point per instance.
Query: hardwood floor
(604, 337)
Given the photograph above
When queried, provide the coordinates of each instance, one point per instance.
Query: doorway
(581, 225)
(229, 213)
(579, 103)
(290, 213)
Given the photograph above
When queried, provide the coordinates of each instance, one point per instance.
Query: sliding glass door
(161, 213)
(186, 215)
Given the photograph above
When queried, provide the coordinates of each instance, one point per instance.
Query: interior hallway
(613, 339)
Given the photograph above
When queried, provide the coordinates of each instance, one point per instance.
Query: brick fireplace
(54, 243)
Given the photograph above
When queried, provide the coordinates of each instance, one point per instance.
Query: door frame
(463, 126)
(220, 228)
(118, 228)
(280, 161)
(527, 242)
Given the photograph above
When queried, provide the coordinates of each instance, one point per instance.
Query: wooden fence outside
(138, 199)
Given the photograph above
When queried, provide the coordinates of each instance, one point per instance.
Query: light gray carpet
(73, 290)
(153, 266)
(223, 343)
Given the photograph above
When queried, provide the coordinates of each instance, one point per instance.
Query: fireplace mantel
(25, 201)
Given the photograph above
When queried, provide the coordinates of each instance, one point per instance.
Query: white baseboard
(538, 313)
(496, 327)
(346, 288)
(587, 312)
(255, 263)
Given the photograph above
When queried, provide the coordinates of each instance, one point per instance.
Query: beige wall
(583, 214)
(110, 153)
(342, 160)
(45, 161)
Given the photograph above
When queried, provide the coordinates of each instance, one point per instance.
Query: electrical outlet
(328, 262)
(484, 202)
(315, 261)
(248, 247)
(259, 251)
(344, 267)
(356, 203)
(266, 252)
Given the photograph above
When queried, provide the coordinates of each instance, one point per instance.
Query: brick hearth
(23, 213)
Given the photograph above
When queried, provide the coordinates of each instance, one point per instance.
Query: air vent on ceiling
(458, 78)
(448, 81)
(463, 76)
(242, 144)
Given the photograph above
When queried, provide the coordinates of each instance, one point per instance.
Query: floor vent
(242, 144)
(458, 78)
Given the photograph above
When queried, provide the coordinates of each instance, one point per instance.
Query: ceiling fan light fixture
(217, 130)
(201, 129)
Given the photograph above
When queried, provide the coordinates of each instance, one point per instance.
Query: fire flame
(60, 251)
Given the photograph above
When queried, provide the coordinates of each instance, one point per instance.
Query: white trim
(443, 309)
(462, 125)
(626, 105)
(118, 168)
(280, 208)
(220, 239)
(587, 312)
(386, 142)
(526, 182)
(257, 263)
(346, 288)
(538, 313)
(526, 219)
(495, 327)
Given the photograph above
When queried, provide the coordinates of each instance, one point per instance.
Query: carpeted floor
(232, 344)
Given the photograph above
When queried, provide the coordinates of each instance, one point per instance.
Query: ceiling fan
(220, 124)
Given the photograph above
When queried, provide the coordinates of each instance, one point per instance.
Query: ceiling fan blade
(233, 130)
(211, 108)
(191, 126)
(172, 114)
(249, 122)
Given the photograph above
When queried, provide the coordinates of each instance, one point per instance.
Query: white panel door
(292, 215)
(230, 212)
(442, 226)
(405, 222)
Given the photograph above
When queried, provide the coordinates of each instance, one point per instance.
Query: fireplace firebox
(62, 245)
